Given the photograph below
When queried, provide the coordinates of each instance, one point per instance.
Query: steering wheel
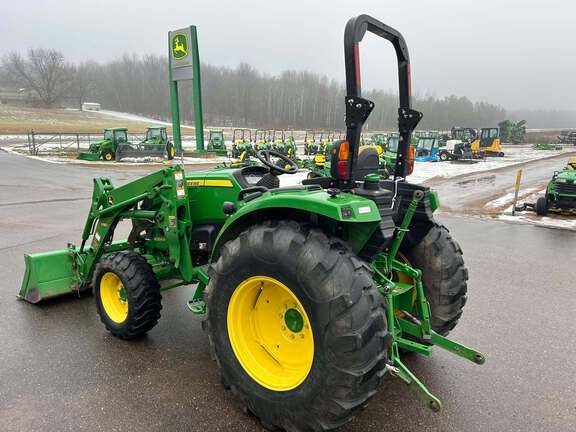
(264, 157)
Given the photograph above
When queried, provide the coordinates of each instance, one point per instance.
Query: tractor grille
(565, 188)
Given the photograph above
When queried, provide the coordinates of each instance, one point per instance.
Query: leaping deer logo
(179, 49)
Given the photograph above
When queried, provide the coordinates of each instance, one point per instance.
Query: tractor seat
(368, 162)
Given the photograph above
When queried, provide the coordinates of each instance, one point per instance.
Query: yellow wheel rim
(113, 297)
(108, 156)
(270, 333)
(172, 152)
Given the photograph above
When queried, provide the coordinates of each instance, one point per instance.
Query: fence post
(78, 142)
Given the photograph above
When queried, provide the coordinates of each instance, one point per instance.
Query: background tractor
(156, 144)
(216, 142)
(106, 148)
(242, 143)
(309, 294)
(427, 149)
(311, 146)
(560, 196)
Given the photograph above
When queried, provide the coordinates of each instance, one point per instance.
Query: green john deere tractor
(216, 142)
(106, 148)
(310, 294)
(242, 144)
(560, 196)
(156, 144)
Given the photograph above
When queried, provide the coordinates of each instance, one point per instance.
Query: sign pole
(184, 65)
(174, 107)
(197, 92)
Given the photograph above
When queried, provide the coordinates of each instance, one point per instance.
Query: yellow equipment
(487, 143)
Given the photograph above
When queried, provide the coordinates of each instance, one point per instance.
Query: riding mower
(216, 142)
(106, 148)
(242, 143)
(310, 295)
(311, 147)
(560, 196)
(156, 144)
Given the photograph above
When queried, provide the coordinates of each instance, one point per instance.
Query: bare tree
(82, 82)
(43, 72)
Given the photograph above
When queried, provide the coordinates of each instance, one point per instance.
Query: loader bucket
(87, 156)
(49, 274)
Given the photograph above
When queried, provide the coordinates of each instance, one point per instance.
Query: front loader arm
(170, 215)
(157, 201)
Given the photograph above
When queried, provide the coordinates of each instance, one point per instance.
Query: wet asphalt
(61, 371)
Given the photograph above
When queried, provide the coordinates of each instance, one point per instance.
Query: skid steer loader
(310, 294)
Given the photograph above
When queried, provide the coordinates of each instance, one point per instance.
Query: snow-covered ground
(530, 217)
(513, 155)
(137, 118)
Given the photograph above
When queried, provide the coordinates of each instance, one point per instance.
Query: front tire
(108, 156)
(542, 206)
(444, 156)
(334, 294)
(170, 152)
(127, 294)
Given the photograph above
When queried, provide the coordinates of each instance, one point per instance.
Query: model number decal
(364, 210)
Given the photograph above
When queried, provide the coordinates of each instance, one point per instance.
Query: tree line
(240, 96)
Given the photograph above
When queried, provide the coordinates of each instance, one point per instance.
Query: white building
(90, 106)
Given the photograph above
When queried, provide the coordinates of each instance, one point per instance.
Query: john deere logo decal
(179, 46)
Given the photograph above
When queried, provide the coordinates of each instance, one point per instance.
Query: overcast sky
(518, 54)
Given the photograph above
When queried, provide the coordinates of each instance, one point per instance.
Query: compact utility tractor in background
(216, 142)
(310, 294)
(156, 144)
(105, 149)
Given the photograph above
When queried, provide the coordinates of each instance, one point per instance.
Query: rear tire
(139, 308)
(336, 290)
(444, 276)
(170, 153)
(542, 206)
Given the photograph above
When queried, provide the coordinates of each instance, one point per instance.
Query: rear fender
(347, 216)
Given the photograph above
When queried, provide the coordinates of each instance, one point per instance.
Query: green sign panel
(181, 51)
(180, 46)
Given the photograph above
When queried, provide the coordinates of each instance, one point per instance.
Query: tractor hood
(568, 176)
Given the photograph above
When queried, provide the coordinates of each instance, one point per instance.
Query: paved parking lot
(61, 371)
